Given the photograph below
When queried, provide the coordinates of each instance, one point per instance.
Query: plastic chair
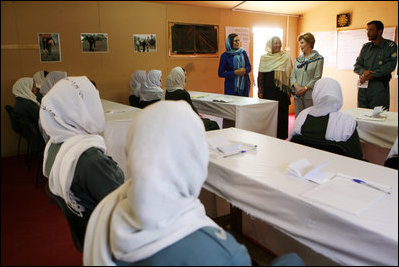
(14, 124)
(77, 233)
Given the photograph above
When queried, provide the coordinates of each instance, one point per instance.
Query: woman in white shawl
(274, 81)
(137, 80)
(156, 218)
(324, 121)
(151, 90)
(51, 79)
(39, 77)
(74, 161)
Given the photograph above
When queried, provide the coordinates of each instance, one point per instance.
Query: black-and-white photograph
(145, 43)
(94, 42)
(49, 47)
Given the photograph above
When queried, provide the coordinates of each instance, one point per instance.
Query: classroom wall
(362, 12)
(21, 21)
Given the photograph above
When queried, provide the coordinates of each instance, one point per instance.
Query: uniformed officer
(376, 61)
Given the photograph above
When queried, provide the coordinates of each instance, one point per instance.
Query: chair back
(77, 232)
(326, 145)
(14, 124)
(31, 132)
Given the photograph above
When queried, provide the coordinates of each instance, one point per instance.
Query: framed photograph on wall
(49, 47)
(94, 42)
(144, 43)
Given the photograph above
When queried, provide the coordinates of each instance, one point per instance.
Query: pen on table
(240, 152)
(369, 184)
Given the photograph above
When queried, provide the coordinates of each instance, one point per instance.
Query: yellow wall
(21, 21)
(362, 12)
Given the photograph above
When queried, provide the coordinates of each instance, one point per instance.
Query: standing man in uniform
(376, 61)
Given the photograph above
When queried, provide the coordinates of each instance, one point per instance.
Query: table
(257, 115)
(379, 133)
(118, 118)
(256, 182)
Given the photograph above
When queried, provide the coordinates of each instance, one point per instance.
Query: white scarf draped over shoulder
(72, 114)
(23, 88)
(51, 79)
(137, 80)
(39, 78)
(280, 63)
(327, 99)
(151, 89)
(176, 81)
(158, 205)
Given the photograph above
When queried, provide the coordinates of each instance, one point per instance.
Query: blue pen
(240, 152)
(370, 185)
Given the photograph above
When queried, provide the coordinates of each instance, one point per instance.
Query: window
(193, 39)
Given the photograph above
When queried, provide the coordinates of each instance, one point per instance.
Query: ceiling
(275, 7)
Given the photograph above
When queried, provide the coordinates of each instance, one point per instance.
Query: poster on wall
(49, 47)
(243, 33)
(94, 42)
(144, 43)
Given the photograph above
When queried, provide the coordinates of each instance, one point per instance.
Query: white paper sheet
(304, 169)
(344, 194)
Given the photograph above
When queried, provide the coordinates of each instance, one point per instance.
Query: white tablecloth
(257, 183)
(118, 118)
(379, 133)
(257, 115)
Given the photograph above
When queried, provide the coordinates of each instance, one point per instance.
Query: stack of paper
(345, 194)
(302, 168)
(375, 115)
(226, 148)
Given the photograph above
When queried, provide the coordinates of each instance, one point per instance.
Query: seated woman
(26, 104)
(392, 159)
(137, 80)
(52, 78)
(155, 217)
(151, 90)
(174, 90)
(75, 162)
(324, 122)
(39, 79)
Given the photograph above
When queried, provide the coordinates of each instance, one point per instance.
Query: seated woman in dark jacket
(174, 90)
(26, 104)
(324, 122)
(137, 80)
(151, 90)
(75, 162)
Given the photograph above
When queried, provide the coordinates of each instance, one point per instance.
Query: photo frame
(49, 47)
(145, 43)
(94, 42)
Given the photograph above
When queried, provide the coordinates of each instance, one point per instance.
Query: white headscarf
(279, 62)
(159, 204)
(176, 80)
(327, 99)
(71, 113)
(137, 80)
(23, 88)
(151, 89)
(39, 78)
(51, 79)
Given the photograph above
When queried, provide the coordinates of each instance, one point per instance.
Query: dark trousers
(377, 94)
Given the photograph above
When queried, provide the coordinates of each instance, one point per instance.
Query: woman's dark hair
(231, 39)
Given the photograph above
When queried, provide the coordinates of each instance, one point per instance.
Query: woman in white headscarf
(151, 91)
(51, 79)
(26, 104)
(174, 90)
(324, 121)
(39, 77)
(75, 162)
(274, 81)
(137, 80)
(156, 218)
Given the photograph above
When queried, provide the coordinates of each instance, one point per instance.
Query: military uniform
(382, 60)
